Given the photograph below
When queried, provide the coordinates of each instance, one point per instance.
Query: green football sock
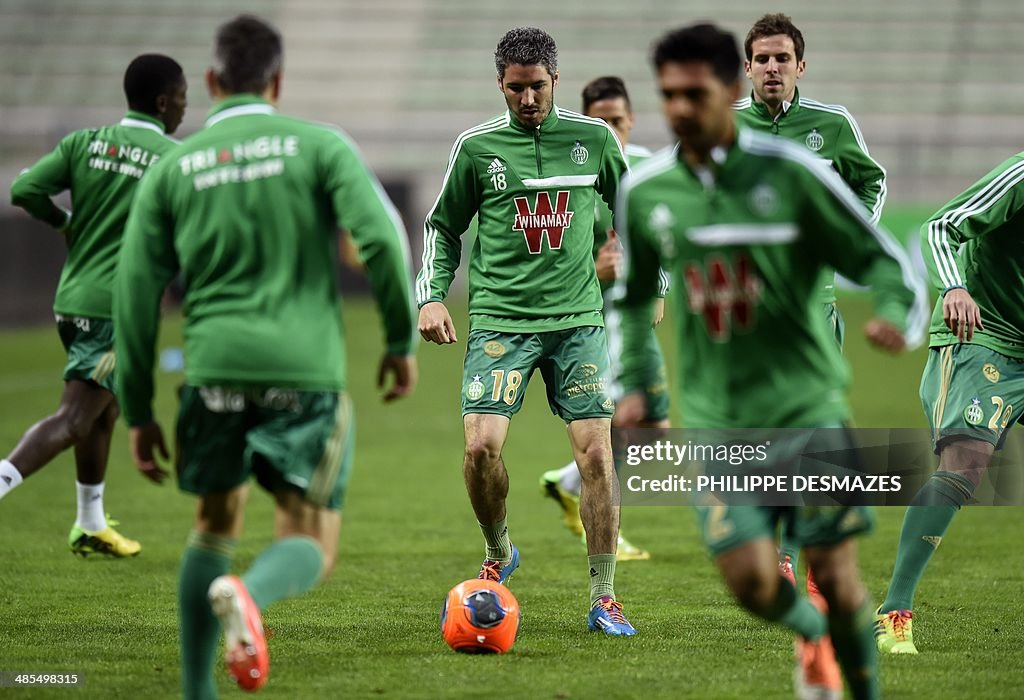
(796, 612)
(206, 557)
(499, 548)
(926, 521)
(602, 577)
(286, 569)
(854, 641)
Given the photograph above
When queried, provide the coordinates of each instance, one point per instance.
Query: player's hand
(659, 312)
(436, 324)
(884, 336)
(961, 314)
(630, 410)
(609, 258)
(144, 438)
(403, 369)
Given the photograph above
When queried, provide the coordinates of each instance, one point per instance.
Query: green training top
(248, 209)
(101, 167)
(832, 134)
(745, 242)
(533, 190)
(975, 242)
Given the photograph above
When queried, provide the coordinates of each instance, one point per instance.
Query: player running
(101, 168)
(973, 385)
(746, 223)
(248, 210)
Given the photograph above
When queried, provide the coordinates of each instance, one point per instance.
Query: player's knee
(596, 461)
(753, 590)
(481, 454)
(73, 424)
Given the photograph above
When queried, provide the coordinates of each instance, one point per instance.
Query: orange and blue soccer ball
(480, 617)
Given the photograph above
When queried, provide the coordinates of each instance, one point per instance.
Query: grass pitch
(409, 534)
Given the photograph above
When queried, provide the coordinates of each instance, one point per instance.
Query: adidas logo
(932, 540)
(7, 480)
(496, 166)
(593, 572)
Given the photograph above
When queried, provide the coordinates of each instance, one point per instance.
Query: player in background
(532, 176)
(248, 210)
(762, 215)
(972, 388)
(774, 50)
(606, 98)
(101, 168)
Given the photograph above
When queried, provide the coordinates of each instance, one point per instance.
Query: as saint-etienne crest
(973, 414)
(814, 140)
(579, 154)
(475, 389)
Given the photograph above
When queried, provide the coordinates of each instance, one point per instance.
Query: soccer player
(746, 223)
(532, 177)
(774, 63)
(101, 168)
(606, 98)
(973, 384)
(248, 210)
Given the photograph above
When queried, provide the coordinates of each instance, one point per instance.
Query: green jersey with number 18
(534, 192)
(248, 209)
(745, 241)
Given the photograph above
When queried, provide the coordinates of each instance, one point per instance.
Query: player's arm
(859, 170)
(364, 210)
(146, 265)
(451, 215)
(859, 249)
(631, 309)
(33, 188)
(984, 206)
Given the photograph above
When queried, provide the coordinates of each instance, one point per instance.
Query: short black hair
(774, 24)
(607, 87)
(249, 54)
(701, 43)
(148, 77)
(526, 46)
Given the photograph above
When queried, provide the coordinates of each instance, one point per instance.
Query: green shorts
(573, 363)
(89, 343)
(290, 439)
(971, 391)
(727, 527)
(655, 381)
(836, 323)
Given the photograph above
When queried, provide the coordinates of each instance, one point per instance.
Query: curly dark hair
(526, 46)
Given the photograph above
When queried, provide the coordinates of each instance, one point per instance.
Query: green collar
(143, 121)
(237, 106)
(546, 125)
(762, 110)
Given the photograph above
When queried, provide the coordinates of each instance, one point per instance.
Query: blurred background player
(606, 98)
(248, 210)
(973, 384)
(763, 215)
(774, 63)
(533, 176)
(101, 168)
